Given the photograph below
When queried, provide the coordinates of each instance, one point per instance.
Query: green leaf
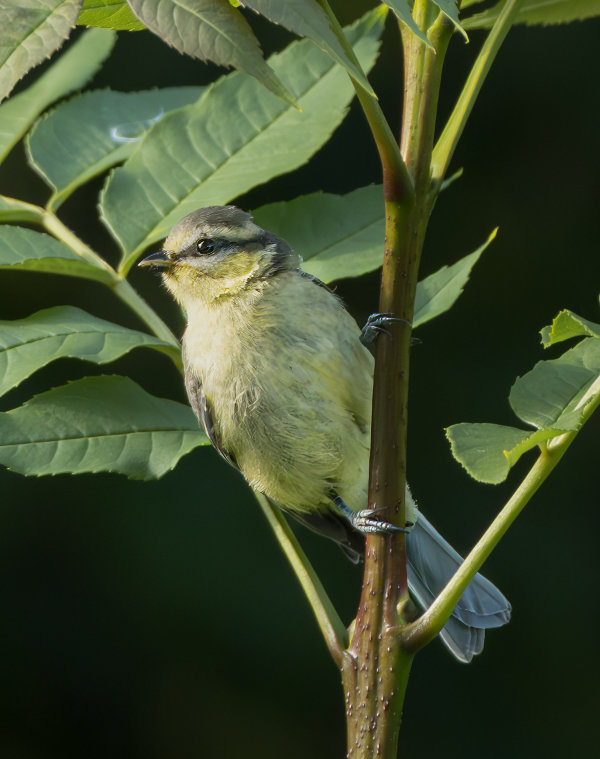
(438, 292)
(29, 33)
(566, 326)
(483, 449)
(12, 209)
(200, 155)
(345, 238)
(111, 14)
(345, 235)
(98, 424)
(404, 13)
(22, 248)
(70, 72)
(27, 345)
(555, 397)
(554, 394)
(211, 30)
(307, 19)
(538, 12)
(92, 132)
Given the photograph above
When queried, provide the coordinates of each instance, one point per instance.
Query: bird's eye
(205, 246)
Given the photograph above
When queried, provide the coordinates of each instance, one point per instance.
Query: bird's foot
(364, 521)
(377, 325)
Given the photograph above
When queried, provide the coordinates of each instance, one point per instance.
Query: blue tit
(276, 372)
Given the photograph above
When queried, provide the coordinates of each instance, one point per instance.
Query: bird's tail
(431, 562)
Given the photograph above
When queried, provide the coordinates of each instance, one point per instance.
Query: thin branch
(444, 150)
(119, 285)
(395, 173)
(421, 632)
(332, 627)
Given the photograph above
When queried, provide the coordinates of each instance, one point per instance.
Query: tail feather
(431, 562)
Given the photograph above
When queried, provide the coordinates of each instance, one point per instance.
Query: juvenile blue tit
(276, 372)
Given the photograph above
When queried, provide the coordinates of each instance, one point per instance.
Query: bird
(280, 376)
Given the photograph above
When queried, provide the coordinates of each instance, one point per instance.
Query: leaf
(201, 156)
(98, 424)
(29, 33)
(12, 209)
(554, 394)
(112, 14)
(438, 292)
(27, 345)
(92, 132)
(538, 12)
(307, 19)
(69, 72)
(22, 248)
(211, 30)
(566, 326)
(555, 397)
(344, 237)
(482, 449)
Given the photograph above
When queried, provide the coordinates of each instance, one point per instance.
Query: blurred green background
(160, 619)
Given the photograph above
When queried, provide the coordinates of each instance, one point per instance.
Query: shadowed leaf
(70, 71)
(27, 345)
(98, 424)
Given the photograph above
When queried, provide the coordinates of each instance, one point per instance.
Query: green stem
(376, 671)
(446, 145)
(425, 629)
(332, 627)
(119, 285)
(394, 169)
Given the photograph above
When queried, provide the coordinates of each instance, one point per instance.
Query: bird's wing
(201, 407)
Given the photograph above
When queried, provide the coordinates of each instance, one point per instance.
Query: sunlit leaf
(29, 33)
(567, 325)
(482, 449)
(27, 345)
(538, 12)
(69, 72)
(555, 398)
(211, 30)
(94, 131)
(98, 424)
(438, 292)
(26, 249)
(111, 14)
(404, 13)
(237, 136)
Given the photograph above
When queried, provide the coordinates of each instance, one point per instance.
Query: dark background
(160, 619)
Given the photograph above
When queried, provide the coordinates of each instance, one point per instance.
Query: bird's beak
(160, 259)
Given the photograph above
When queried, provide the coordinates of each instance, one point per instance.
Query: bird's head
(219, 251)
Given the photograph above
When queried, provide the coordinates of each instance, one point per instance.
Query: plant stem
(394, 168)
(446, 145)
(332, 627)
(376, 670)
(425, 629)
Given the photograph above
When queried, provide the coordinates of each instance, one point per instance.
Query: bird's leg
(376, 325)
(363, 521)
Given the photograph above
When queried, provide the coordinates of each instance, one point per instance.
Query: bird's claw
(376, 325)
(364, 522)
